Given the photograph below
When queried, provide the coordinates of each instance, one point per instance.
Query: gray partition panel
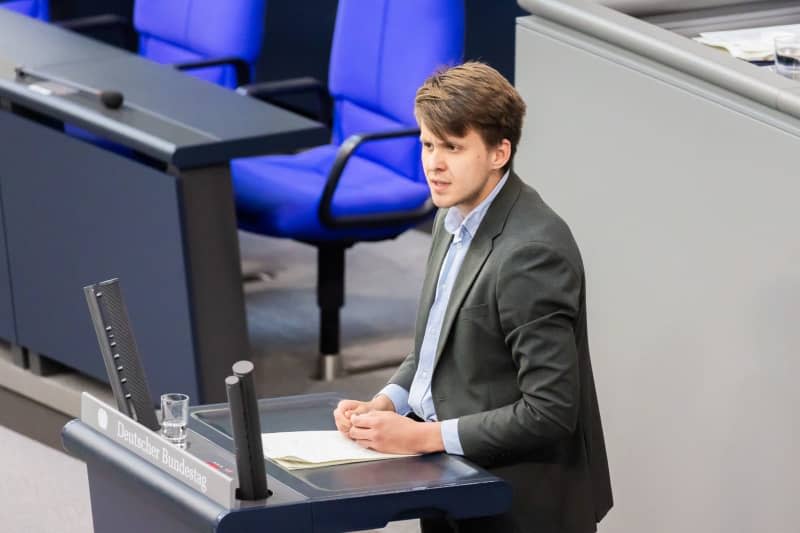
(7, 326)
(75, 215)
(671, 50)
(683, 198)
(650, 7)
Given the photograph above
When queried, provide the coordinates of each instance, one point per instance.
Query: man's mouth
(439, 185)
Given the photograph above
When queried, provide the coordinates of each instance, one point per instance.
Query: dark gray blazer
(513, 362)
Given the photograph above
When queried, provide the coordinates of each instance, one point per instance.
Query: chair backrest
(177, 31)
(382, 52)
(39, 9)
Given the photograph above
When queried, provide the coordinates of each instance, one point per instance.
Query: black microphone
(246, 433)
(112, 99)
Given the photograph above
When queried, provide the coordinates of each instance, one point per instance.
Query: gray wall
(683, 199)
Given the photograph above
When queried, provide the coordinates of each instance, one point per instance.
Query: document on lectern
(294, 450)
(751, 44)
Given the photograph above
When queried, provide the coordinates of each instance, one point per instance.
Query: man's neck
(491, 183)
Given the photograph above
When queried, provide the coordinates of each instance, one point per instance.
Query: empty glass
(787, 56)
(174, 417)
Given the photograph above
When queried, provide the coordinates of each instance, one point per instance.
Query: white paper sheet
(314, 449)
(752, 44)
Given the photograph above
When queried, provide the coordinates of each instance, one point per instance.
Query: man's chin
(441, 202)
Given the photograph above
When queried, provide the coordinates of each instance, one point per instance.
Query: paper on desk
(314, 449)
(753, 44)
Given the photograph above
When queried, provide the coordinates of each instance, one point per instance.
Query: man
(500, 372)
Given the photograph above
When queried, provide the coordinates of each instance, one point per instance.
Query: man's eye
(427, 146)
(452, 147)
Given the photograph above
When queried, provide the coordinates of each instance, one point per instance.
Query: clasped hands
(376, 425)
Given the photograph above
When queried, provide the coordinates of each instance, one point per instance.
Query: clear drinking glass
(174, 417)
(787, 56)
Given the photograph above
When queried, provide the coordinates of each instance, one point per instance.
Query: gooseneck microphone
(110, 99)
(246, 433)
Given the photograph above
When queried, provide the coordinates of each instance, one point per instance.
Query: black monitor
(120, 354)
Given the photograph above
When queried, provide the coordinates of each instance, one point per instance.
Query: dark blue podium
(149, 201)
(128, 494)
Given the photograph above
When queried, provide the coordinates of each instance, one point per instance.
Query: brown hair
(471, 95)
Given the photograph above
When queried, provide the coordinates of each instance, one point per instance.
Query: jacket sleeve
(538, 299)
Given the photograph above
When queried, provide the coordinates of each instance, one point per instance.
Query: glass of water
(787, 56)
(174, 417)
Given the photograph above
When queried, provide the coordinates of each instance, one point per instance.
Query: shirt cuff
(399, 397)
(452, 443)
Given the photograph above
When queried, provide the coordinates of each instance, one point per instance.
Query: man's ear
(501, 154)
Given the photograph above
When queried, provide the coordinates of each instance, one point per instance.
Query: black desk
(73, 213)
(130, 495)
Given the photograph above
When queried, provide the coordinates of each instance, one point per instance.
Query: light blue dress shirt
(419, 399)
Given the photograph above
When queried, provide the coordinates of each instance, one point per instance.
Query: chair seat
(280, 195)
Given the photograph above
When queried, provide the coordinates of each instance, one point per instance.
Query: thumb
(361, 409)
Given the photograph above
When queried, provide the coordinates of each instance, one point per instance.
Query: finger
(341, 420)
(347, 405)
(366, 420)
(357, 433)
(364, 443)
(361, 409)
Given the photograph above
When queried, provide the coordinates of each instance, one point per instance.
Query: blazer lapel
(439, 247)
(479, 249)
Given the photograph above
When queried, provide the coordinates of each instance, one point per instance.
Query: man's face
(461, 171)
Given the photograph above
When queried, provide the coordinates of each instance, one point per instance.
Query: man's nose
(435, 161)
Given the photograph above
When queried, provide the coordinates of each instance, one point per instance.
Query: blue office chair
(367, 184)
(216, 41)
(39, 9)
(213, 40)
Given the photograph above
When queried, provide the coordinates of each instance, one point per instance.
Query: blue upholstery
(39, 9)
(382, 52)
(179, 31)
(280, 195)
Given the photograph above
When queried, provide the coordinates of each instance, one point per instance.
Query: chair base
(256, 271)
(330, 367)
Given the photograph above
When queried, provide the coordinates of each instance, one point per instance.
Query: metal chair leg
(330, 298)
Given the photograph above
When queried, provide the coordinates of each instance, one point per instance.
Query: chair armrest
(241, 66)
(96, 22)
(268, 90)
(346, 150)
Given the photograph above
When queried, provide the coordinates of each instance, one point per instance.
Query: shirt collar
(457, 224)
